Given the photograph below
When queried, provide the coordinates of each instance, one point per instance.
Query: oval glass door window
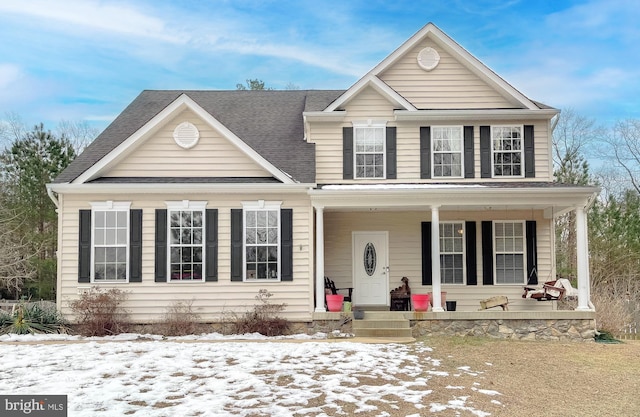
(370, 260)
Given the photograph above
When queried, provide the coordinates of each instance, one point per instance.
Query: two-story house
(431, 166)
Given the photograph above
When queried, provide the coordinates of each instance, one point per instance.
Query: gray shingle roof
(270, 122)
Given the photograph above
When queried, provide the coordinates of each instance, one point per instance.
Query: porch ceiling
(554, 199)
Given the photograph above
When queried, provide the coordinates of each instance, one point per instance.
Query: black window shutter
(135, 245)
(487, 253)
(347, 153)
(211, 242)
(529, 153)
(161, 246)
(425, 152)
(391, 153)
(236, 244)
(84, 246)
(485, 152)
(469, 164)
(426, 253)
(286, 244)
(470, 242)
(532, 253)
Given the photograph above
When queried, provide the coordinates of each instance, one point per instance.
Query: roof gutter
(484, 114)
(164, 188)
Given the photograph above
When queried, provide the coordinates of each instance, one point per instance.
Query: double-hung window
(447, 144)
(507, 151)
(186, 240)
(110, 227)
(510, 252)
(452, 252)
(262, 241)
(369, 145)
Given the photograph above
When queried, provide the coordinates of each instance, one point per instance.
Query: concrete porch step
(382, 332)
(382, 324)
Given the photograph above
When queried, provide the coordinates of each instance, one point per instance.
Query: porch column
(435, 259)
(320, 260)
(583, 260)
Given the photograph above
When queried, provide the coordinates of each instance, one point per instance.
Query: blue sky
(85, 60)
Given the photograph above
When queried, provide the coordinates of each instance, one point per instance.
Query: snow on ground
(211, 375)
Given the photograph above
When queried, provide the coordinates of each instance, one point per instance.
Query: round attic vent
(428, 58)
(186, 135)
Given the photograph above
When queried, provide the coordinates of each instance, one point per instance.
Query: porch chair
(330, 288)
(551, 290)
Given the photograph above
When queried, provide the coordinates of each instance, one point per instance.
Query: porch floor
(470, 315)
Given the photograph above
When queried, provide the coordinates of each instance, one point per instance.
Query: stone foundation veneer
(560, 325)
(552, 325)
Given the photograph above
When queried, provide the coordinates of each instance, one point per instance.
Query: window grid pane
(510, 247)
(261, 244)
(452, 253)
(186, 245)
(369, 152)
(507, 151)
(110, 238)
(447, 145)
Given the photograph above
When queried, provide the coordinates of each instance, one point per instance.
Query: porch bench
(498, 300)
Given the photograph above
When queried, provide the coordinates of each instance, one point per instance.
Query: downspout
(554, 122)
(53, 197)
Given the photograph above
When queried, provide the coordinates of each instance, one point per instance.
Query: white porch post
(583, 260)
(435, 259)
(320, 260)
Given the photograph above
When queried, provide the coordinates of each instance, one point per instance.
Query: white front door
(370, 268)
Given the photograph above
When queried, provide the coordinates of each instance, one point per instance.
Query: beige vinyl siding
(148, 300)
(405, 258)
(368, 105)
(450, 85)
(213, 156)
(328, 140)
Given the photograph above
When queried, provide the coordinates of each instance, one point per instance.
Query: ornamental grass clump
(32, 318)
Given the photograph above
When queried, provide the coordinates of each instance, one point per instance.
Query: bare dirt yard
(549, 378)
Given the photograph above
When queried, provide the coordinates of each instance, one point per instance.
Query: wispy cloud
(75, 58)
(118, 18)
(9, 74)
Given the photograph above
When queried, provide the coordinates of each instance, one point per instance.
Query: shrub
(263, 318)
(31, 318)
(179, 320)
(612, 312)
(100, 312)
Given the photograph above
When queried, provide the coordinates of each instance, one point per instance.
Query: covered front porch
(472, 241)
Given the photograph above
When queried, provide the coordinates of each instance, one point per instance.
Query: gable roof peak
(465, 58)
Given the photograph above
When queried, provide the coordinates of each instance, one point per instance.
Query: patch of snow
(157, 376)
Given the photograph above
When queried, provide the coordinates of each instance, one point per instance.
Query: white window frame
(369, 125)
(459, 230)
(186, 205)
(494, 151)
(110, 206)
(434, 152)
(523, 252)
(261, 205)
